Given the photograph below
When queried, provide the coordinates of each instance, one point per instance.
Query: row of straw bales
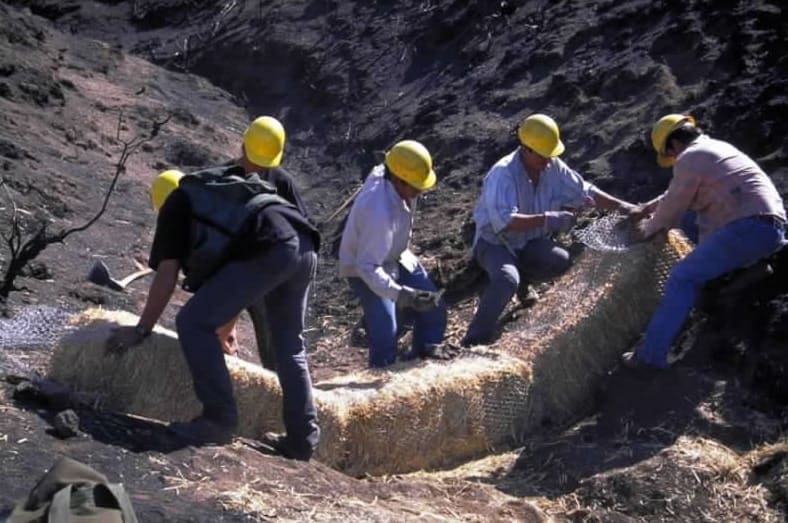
(414, 415)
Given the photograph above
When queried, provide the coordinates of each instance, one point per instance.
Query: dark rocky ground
(705, 441)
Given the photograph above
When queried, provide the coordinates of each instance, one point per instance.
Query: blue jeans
(280, 275)
(381, 319)
(541, 259)
(737, 244)
(689, 224)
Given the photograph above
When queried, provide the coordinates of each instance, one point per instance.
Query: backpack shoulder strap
(261, 201)
(60, 506)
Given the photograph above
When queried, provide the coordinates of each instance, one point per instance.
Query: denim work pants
(541, 259)
(281, 275)
(381, 319)
(737, 244)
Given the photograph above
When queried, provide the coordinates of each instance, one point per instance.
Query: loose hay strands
(414, 415)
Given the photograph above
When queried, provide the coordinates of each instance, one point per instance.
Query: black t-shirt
(171, 239)
(283, 181)
(275, 223)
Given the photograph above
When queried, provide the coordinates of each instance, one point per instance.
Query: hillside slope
(78, 78)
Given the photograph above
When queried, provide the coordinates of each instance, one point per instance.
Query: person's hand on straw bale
(635, 230)
(124, 338)
(228, 337)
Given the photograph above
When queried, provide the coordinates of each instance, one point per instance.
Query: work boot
(527, 295)
(440, 351)
(202, 431)
(282, 446)
(467, 342)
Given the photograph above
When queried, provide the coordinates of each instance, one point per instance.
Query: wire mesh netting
(608, 233)
(34, 326)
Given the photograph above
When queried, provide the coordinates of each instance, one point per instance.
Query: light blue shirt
(508, 190)
(376, 235)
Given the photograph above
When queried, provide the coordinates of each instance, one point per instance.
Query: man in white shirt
(381, 270)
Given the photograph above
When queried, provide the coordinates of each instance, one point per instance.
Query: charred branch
(24, 246)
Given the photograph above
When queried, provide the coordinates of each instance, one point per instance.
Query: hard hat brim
(555, 151)
(428, 183)
(264, 161)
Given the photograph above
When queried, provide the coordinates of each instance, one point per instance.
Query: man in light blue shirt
(381, 270)
(523, 202)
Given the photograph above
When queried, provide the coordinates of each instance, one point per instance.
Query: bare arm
(525, 222)
(651, 205)
(159, 295)
(160, 292)
(604, 200)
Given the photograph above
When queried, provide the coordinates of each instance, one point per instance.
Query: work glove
(418, 300)
(559, 221)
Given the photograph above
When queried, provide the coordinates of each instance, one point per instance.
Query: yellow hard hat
(411, 162)
(163, 185)
(540, 133)
(660, 132)
(264, 141)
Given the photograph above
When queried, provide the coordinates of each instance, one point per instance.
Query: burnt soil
(704, 441)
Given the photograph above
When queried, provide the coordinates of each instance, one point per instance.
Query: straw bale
(153, 380)
(150, 380)
(414, 415)
(428, 413)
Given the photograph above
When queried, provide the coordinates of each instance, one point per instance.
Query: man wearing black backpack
(238, 242)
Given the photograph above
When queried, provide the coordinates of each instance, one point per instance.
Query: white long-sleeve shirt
(376, 234)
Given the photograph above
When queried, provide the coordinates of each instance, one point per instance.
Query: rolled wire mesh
(27, 335)
(580, 325)
(34, 326)
(607, 233)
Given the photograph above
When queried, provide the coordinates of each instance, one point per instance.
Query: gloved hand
(418, 300)
(559, 221)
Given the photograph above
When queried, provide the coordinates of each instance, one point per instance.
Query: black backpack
(224, 202)
(72, 492)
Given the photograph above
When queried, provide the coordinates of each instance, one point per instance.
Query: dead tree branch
(24, 248)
